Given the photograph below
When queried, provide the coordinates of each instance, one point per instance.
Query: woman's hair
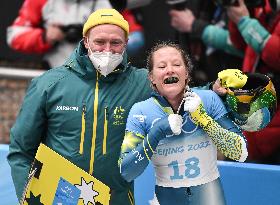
(165, 44)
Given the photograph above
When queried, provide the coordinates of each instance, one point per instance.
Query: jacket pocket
(105, 130)
(83, 129)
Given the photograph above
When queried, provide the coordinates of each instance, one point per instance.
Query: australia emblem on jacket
(119, 118)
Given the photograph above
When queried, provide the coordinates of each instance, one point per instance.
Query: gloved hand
(194, 106)
(192, 101)
(175, 122)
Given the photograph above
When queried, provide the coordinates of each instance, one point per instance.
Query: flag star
(87, 192)
(34, 199)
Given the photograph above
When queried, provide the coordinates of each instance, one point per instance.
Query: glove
(194, 106)
(232, 78)
(192, 101)
(175, 122)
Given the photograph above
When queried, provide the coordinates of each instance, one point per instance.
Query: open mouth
(171, 80)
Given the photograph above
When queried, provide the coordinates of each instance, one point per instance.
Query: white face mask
(105, 62)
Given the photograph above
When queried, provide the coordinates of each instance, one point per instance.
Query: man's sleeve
(236, 37)
(268, 54)
(25, 136)
(219, 38)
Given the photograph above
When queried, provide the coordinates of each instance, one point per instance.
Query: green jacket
(81, 115)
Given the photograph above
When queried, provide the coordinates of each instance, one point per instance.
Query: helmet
(252, 106)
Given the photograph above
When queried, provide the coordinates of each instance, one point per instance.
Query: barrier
(247, 183)
(19, 73)
(244, 184)
(7, 190)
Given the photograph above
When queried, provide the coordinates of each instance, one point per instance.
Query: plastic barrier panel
(7, 190)
(244, 184)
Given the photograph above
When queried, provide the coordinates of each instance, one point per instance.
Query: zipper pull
(84, 109)
(106, 112)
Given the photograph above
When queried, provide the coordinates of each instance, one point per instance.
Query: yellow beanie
(106, 16)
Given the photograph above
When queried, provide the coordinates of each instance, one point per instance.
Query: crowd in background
(217, 36)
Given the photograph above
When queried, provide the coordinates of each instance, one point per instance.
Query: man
(190, 23)
(253, 33)
(40, 27)
(80, 108)
(254, 28)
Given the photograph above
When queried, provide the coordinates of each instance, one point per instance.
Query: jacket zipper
(105, 131)
(81, 151)
(94, 127)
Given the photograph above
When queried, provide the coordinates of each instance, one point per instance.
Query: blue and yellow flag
(53, 180)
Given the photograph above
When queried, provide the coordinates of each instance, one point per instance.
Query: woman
(180, 130)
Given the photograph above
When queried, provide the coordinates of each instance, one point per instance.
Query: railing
(19, 73)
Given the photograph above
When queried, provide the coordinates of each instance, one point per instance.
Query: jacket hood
(81, 64)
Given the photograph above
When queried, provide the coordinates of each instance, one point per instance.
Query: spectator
(255, 31)
(80, 108)
(190, 22)
(42, 27)
(136, 40)
(181, 141)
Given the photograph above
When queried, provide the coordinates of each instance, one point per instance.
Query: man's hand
(54, 34)
(182, 20)
(235, 13)
(192, 101)
(175, 122)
